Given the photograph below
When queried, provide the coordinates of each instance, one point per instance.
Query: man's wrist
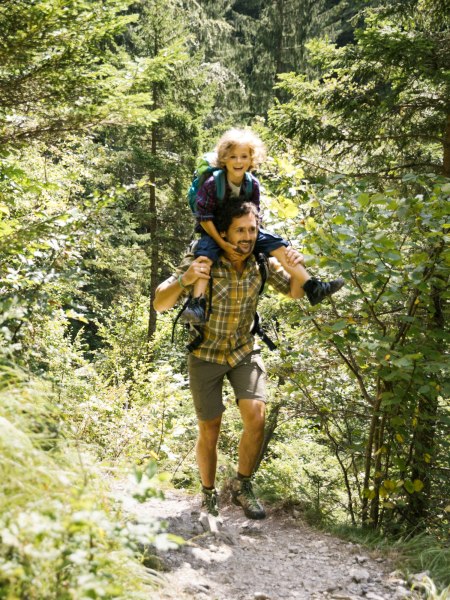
(182, 285)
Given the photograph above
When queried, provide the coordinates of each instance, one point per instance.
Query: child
(240, 151)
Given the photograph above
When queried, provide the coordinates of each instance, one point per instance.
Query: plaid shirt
(208, 203)
(227, 337)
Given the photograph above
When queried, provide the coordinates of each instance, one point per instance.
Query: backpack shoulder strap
(263, 266)
(257, 329)
(248, 188)
(219, 178)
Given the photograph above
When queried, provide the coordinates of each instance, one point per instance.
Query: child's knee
(206, 260)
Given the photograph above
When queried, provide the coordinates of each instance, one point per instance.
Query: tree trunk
(368, 461)
(424, 442)
(271, 425)
(279, 40)
(154, 246)
(446, 159)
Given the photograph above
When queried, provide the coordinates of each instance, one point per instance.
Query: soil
(278, 558)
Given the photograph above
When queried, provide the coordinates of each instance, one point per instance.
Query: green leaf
(363, 200)
(409, 486)
(418, 485)
(339, 325)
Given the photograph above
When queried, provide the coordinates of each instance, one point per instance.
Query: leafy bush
(370, 368)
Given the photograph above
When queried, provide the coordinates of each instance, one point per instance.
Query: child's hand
(232, 251)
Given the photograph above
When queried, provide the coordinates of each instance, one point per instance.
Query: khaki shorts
(247, 378)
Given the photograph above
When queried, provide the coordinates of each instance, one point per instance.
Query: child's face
(237, 163)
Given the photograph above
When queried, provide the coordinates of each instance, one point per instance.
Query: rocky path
(279, 558)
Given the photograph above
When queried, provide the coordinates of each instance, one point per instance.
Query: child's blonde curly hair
(246, 137)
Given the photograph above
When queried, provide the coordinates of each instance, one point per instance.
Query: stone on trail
(209, 522)
(359, 575)
(419, 579)
(401, 593)
(361, 559)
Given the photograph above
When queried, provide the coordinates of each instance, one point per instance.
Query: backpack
(257, 328)
(205, 169)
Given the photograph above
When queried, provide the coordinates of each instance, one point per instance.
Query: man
(228, 349)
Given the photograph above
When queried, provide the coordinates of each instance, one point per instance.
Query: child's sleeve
(256, 197)
(207, 200)
(256, 193)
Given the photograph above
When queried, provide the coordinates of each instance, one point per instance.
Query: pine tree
(57, 75)
(383, 100)
(155, 157)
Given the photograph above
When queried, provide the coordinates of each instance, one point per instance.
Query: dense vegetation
(103, 110)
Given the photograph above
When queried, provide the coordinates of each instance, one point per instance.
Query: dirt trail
(278, 558)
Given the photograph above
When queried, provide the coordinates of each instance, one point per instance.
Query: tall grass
(60, 536)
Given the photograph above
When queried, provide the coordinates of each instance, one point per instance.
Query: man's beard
(251, 247)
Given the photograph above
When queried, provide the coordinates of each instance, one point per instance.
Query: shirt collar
(224, 261)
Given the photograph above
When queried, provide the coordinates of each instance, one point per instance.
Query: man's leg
(206, 450)
(253, 417)
(206, 453)
(205, 381)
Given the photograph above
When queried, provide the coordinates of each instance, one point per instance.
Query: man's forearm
(167, 294)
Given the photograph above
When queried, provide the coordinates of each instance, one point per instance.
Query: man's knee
(208, 432)
(253, 415)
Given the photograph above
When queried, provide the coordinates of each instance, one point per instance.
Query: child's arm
(211, 230)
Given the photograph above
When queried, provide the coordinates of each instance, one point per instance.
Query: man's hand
(198, 269)
(294, 257)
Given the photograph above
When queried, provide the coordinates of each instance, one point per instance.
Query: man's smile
(246, 246)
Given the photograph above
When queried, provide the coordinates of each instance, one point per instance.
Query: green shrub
(61, 537)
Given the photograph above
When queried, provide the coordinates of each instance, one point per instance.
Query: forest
(104, 109)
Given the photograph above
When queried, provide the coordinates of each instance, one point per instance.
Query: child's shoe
(317, 290)
(195, 311)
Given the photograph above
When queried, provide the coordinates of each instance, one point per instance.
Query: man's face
(242, 233)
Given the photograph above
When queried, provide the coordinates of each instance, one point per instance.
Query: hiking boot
(242, 495)
(317, 290)
(209, 502)
(195, 311)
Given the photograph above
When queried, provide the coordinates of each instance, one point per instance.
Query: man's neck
(238, 265)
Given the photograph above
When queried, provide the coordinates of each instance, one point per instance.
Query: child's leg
(195, 310)
(298, 272)
(201, 285)
(315, 290)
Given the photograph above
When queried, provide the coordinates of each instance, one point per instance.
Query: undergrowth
(61, 535)
(421, 553)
